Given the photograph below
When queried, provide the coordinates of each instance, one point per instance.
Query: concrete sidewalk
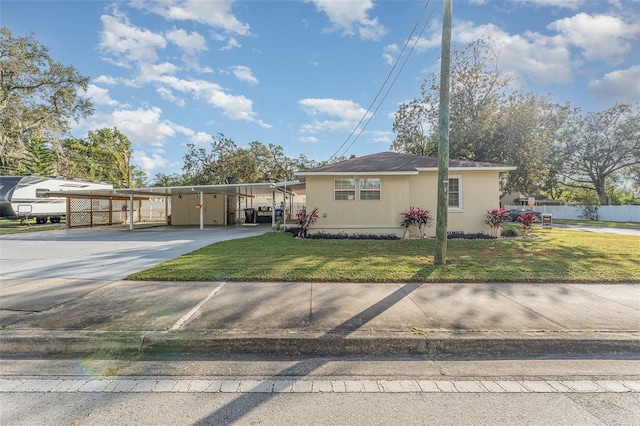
(82, 317)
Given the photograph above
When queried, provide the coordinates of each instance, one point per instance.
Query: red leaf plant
(495, 219)
(526, 221)
(305, 221)
(416, 217)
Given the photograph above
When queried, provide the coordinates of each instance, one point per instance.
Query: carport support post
(201, 210)
(131, 206)
(284, 207)
(226, 209)
(273, 209)
(166, 209)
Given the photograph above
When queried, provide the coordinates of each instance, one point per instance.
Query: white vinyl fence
(606, 213)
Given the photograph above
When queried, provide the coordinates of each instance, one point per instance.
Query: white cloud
(600, 37)
(100, 96)
(348, 114)
(423, 44)
(168, 95)
(201, 138)
(192, 43)
(103, 79)
(127, 41)
(382, 136)
(216, 14)
(569, 4)
(341, 108)
(328, 126)
(243, 73)
(390, 53)
(308, 139)
(620, 85)
(233, 43)
(236, 107)
(142, 126)
(539, 57)
(148, 72)
(351, 17)
(148, 164)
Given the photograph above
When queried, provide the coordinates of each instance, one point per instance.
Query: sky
(316, 77)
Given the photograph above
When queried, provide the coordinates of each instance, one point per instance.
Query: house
(367, 194)
(518, 199)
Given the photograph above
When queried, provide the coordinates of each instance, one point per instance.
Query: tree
(489, 121)
(414, 135)
(174, 179)
(599, 146)
(209, 168)
(104, 155)
(39, 158)
(226, 163)
(39, 96)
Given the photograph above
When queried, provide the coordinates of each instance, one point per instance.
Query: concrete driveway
(105, 253)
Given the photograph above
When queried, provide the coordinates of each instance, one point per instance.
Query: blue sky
(302, 73)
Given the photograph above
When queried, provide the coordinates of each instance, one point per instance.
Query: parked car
(516, 213)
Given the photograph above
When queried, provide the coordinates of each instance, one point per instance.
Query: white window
(369, 188)
(455, 193)
(344, 189)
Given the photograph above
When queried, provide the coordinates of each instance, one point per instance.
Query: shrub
(510, 232)
(495, 219)
(343, 236)
(526, 221)
(589, 212)
(416, 217)
(305, 221)
(459, 235)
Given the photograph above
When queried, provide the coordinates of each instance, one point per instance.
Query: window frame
(344, 189)
(460, 205)
(366, 190)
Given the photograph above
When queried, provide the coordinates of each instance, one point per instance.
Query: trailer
(25, 197)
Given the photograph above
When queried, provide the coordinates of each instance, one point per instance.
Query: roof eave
(355, 172)
(467, 169)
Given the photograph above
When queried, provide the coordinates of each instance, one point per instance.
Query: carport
(190, 205)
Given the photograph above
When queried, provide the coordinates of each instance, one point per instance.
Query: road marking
(306, 385)
(189, 314)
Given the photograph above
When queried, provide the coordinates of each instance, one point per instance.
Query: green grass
(16, 227)
(626, 225)
(556, 255)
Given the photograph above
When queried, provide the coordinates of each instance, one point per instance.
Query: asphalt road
(321, 409)
(372, 390)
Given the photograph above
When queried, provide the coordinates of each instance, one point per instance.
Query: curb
(478, 344)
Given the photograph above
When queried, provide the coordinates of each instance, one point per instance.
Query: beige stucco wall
(356, 216)
(480, 192)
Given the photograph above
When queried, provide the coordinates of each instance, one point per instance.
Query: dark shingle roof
(394, 162)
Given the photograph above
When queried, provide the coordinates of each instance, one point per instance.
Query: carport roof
(243, 189)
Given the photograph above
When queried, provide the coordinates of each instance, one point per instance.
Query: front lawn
(557, 255)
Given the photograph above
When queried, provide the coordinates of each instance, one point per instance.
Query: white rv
(25, 197)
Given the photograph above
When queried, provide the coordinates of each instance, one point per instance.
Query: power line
(385, 83)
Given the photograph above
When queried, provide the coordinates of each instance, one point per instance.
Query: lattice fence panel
(79, 212)
(97, 211)
(101, 212)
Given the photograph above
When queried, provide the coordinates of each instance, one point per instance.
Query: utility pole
(440, 256)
